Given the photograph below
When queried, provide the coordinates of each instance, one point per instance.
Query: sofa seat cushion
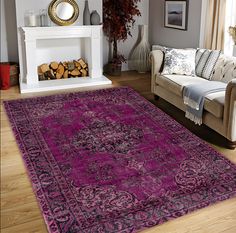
(214, 103)
(176, 83)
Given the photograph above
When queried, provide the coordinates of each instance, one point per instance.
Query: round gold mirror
(63, 12)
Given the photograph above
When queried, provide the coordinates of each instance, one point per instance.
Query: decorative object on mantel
(232, 32)
(63, 70)
(86, 15)
(43, 18)
(63, 12)
(134, 171)
(176, 14)
(139, 58)
(118, 20)
(95, 18)
(31, 19)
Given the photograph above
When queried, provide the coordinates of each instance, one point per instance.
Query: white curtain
(230, 20)
(215, 24)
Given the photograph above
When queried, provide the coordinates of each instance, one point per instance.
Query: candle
(32, 21)
(31, 18)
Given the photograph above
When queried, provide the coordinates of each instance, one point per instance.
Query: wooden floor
(19, 209)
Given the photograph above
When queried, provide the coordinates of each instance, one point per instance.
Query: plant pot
(113, 69)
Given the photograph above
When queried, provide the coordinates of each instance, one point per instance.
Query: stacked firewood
(63, 70)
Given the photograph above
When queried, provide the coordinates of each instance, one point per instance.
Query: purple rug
(110, 161)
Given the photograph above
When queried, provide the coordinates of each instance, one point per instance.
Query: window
(230, 20)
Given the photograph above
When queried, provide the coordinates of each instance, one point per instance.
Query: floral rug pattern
(110, 161)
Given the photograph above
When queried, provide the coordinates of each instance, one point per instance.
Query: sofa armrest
(156, 57)
(230, 111)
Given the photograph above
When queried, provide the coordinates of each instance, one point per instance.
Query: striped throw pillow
(205, 62)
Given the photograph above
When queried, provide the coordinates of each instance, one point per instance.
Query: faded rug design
(110, 161)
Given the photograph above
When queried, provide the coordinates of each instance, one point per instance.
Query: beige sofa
(219, 108)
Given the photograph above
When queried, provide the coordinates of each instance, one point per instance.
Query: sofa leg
(231, 145)
(156, 97)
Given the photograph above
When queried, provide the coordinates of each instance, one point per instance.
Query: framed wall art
(176, 14)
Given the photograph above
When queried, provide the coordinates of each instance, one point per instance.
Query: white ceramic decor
(139, 57)
(30, 18)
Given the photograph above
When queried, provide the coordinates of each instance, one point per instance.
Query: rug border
(29, 176)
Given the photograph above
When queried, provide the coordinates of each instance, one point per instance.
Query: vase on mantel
(95, 18)
(139, 57)
(86, 14)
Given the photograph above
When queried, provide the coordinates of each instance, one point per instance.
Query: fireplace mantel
(38, 44)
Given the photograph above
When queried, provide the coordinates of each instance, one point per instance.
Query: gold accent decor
(57, 7)
(232, 32)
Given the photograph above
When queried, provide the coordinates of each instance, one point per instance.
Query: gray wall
(173, 37)
(9, 51)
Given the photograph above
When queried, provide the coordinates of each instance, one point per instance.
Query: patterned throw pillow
(179, 61)
(205, 62)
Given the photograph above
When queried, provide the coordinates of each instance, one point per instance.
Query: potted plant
(118, 18)
(232, 32)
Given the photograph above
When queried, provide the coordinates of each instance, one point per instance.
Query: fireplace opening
(63, 70)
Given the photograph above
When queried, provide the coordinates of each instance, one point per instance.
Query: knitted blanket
(194, 97)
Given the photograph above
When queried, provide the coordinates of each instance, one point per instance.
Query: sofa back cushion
(205, 62)
(225, 69)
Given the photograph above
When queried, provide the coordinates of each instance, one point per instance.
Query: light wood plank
(20, 214)
(35, 226)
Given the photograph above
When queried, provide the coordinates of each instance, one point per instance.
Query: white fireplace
(39, 45)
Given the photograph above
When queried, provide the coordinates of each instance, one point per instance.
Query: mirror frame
(53, 16)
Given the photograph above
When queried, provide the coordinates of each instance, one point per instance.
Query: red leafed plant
(118, 18)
